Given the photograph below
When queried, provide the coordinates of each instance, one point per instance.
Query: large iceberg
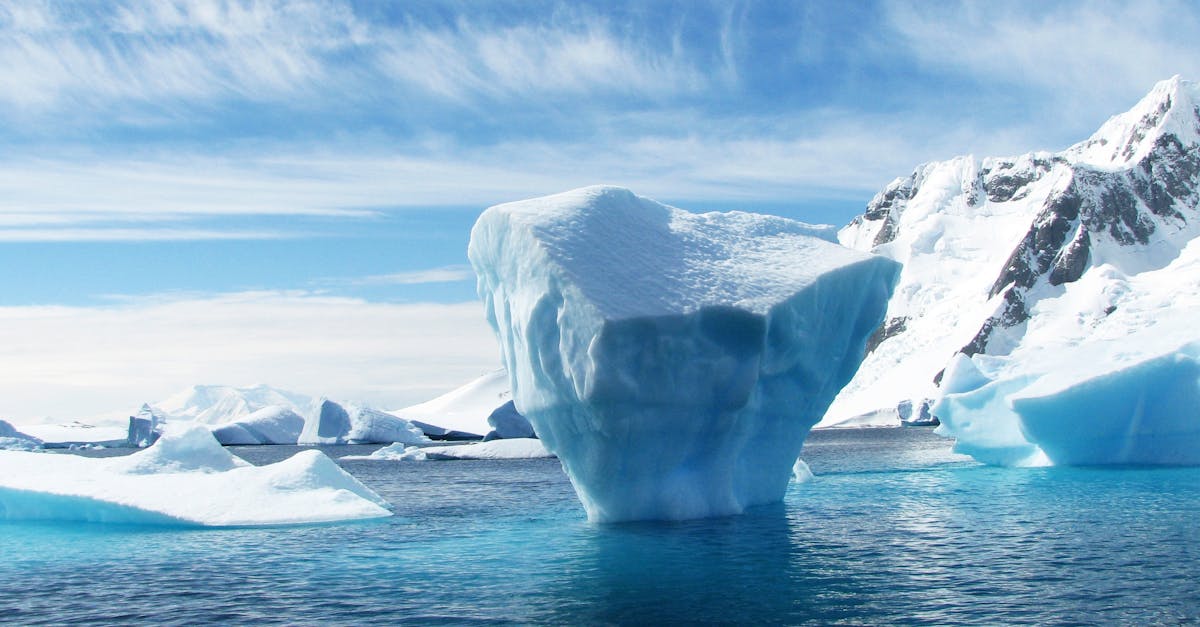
(185, 478)
(274, 424)
(673, 361)
(1108, 372)
(333, 423)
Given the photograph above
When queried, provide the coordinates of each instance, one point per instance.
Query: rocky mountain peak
(1170, 110)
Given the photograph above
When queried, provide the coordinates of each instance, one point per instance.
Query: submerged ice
(185, 478)
(673, 361)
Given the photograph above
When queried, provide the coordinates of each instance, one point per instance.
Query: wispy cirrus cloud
(185, 55)
(1088, 59)
(445, 274)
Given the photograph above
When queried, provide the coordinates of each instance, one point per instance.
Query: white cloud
(68, 362)
(133, 235)
(445, 274)
(1090, 59)
(177, 54)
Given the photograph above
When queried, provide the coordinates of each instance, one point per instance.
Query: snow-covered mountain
(995, 251)
(217, 404)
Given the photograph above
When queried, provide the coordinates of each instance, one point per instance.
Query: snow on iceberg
(274, 424)
(514, 448)
(186, 478)
(462, 413)
(1108, 372)
(13, 440)
(220, 404)
(507, 422)
(674, 361)
(333, 423)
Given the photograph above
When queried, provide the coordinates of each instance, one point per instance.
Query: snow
(219, 404)
(1107, 373)
(13, 440)
(514, 448)
(1126, 138)
(77, 433)
(186, 478)
(958, 226)
(465, 409)
(507, 422)
(274, 424)
(331, 423)
(674, 362)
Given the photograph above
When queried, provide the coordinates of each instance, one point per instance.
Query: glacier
(1108, 372)
(673, 361)
(333, 423)
(989, 245)
(186, 478)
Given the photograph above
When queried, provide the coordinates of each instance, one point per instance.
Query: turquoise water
(894, 529)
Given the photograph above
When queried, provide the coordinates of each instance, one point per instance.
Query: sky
(241, 192)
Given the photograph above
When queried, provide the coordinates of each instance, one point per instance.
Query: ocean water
(894, 529)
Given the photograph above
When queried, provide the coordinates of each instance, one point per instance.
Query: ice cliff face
(993, 248)
(674, 362)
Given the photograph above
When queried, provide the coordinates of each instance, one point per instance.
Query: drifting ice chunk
(274, 424)
(186, 478)
(515, 448)
(673, 361)
(145, 427)
(1104, 402)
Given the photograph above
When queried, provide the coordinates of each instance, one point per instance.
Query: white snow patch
(186, 478)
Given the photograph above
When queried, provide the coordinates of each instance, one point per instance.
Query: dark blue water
(894, 529)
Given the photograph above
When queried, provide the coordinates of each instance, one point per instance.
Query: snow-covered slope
(673, 361)
(988, 244)
(217, 404)
(465, 409)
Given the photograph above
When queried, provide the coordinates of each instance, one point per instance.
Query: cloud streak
(67, 362)
(445, 274)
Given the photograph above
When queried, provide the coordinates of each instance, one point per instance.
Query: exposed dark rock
(890, 328)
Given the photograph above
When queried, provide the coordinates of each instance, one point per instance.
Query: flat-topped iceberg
(673, 361)
(185, 478)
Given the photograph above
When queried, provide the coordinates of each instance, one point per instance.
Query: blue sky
(222, 155)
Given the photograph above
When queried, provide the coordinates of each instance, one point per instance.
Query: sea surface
(894, 529)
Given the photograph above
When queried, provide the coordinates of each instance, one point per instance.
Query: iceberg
(145, 427)
(13, 440)
(1108, 372)
(185, 478)
(673, 361)
(333, 423)
(222, 404)
(274, 424)
(514, 448)
(465, 412)
(507, 422)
